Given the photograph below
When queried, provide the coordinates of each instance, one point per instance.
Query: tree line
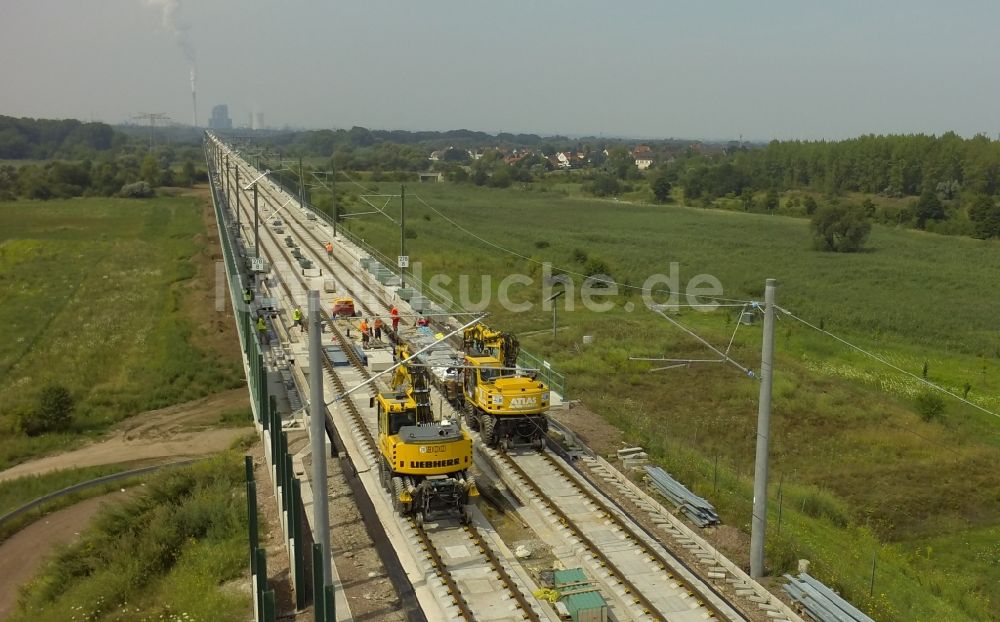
(950, 184)
(123, 175)
(893, 166)
(43, 139)
(88, 159)
(946, 184)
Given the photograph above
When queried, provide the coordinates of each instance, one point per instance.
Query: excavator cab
(394, 412)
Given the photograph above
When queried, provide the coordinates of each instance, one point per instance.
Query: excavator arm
(481, 338)
(413, 381)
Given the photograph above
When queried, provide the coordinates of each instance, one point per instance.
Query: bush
(930, 405)
(603, 185)
(840, 229)
(820, 503)
(501, 179)
(138, 190)
(595, 267)
(985, 215)
(54, 412)
(810, 204)
(661, 186)
(782, 555)
(927, 208)
(169, 546)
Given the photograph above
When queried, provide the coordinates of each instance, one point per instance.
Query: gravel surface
(369, 592)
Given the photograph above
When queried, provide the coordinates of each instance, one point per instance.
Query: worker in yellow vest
(262, 329)
(297, 319)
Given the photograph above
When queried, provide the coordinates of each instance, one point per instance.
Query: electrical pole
(317, 431)
(256, 224)
(302, 203)
(402, 233)
(237, 193)
(552, 299)
(554, 306)
(333, 193)
(759, 524)
(152, 117)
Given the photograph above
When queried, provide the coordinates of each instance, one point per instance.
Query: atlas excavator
(424, 464)
(504, 403)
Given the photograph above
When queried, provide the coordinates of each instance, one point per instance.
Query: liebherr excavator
(424, 463)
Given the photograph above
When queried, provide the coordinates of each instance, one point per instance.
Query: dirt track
(22, 554)
(169, 433)
(174, 432)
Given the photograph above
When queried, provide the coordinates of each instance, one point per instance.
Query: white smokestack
(180, 29)
(194, 101)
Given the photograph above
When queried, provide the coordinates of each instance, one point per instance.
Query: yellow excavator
(506, 405)
(424, 464)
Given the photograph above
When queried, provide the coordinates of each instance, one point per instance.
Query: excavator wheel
(488, 424)
(385, 474)
(397, 505)
(471, 419)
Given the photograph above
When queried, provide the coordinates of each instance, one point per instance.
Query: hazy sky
(694, 68)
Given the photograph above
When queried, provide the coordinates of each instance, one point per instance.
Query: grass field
(860, 472)
(149, 559)
(98, 297)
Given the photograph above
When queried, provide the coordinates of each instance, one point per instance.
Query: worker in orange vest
(394, 314)
(363, 327)
(378, 329)
(329, 249)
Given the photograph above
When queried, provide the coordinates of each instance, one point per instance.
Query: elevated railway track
(466, 571)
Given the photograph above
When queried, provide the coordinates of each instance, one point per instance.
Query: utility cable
(878, 358)
(525, 257)
(554, 267)
(356, 183)
(724, 355)
(731, 339)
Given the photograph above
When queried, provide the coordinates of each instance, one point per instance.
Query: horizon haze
(656, 70)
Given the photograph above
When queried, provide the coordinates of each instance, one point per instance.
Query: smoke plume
(176, 25)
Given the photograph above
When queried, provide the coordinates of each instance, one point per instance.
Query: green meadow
(858, 468)
(93, 297)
